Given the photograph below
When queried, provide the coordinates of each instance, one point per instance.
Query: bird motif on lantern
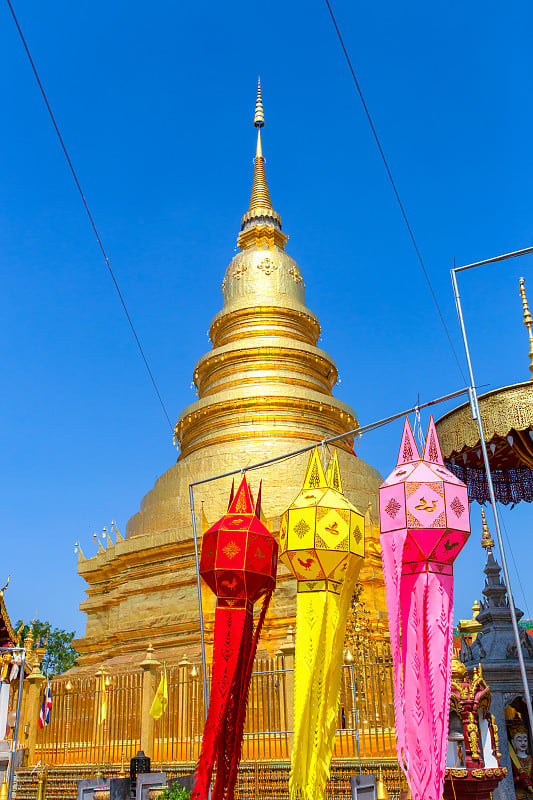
(322, 543)
(238, 562)
(425, 523)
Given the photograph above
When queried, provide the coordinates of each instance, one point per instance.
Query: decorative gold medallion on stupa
(264, 389)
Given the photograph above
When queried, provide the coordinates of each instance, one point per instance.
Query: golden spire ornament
(486, 539)
(259, 119)
(261, 225)
(528, 322)
(260, 197)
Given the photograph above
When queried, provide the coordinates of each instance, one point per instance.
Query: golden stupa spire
(259, 118)
(261, 225)
(486, 539)
(260, 197)
(528, 322)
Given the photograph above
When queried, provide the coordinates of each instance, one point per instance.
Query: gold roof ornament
(528, 322)
(2, 590)
(486, 539)
(471, 627)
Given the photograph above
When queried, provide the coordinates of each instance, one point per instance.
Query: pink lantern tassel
(424, 525)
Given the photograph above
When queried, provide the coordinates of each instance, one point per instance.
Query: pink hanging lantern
(424, 521)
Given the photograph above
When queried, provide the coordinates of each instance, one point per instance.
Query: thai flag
(44, 716)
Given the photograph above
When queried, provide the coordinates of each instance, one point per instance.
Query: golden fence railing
(178, 732)
(266, 734)
(75, 736)
(366, 698)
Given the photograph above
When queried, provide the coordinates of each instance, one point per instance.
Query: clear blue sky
(156, 104)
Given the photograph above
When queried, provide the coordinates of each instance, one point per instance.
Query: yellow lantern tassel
(322, 542)
(309, 678)
(322, 753)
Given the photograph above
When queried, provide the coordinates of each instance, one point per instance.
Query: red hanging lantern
(238, 562)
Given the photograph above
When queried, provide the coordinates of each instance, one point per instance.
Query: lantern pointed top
(258, 502)
(243, 502)
(314, 476)
(408, 450)
(333, 473)
(432, 451)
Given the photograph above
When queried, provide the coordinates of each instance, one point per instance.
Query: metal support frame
(474, 406)
(17, 719)
(354, 700)
(291, 454)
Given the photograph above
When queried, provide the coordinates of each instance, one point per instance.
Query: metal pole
(356, 718)
(477, 416)
(354, 432)
(514, 254)
(16, 732)
(199, 588)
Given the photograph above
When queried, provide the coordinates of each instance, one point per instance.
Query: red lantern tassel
(235, 646)
(243, 701)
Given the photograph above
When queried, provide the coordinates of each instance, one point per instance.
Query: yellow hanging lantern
(322, 543)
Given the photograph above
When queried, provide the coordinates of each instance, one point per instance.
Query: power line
(515, 567)
(91, 220)
(393, 184)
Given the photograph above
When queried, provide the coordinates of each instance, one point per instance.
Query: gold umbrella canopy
(507, 416)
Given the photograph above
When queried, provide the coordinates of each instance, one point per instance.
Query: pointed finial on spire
(259, 119)
(261, 225)
(260, 197)
(486, 539)
(528, 322)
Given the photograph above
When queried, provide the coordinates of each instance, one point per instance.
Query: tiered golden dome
(265, 375)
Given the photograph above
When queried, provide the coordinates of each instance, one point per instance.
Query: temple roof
(7, 633)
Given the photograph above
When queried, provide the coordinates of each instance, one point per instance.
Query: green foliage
(176, 793)
(60, 655)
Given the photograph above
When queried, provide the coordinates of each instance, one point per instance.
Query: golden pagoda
(264, 389)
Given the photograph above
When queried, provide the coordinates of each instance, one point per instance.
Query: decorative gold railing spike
(528, 322)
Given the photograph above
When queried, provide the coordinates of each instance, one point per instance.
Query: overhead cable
(393, 184)
(91, 220)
